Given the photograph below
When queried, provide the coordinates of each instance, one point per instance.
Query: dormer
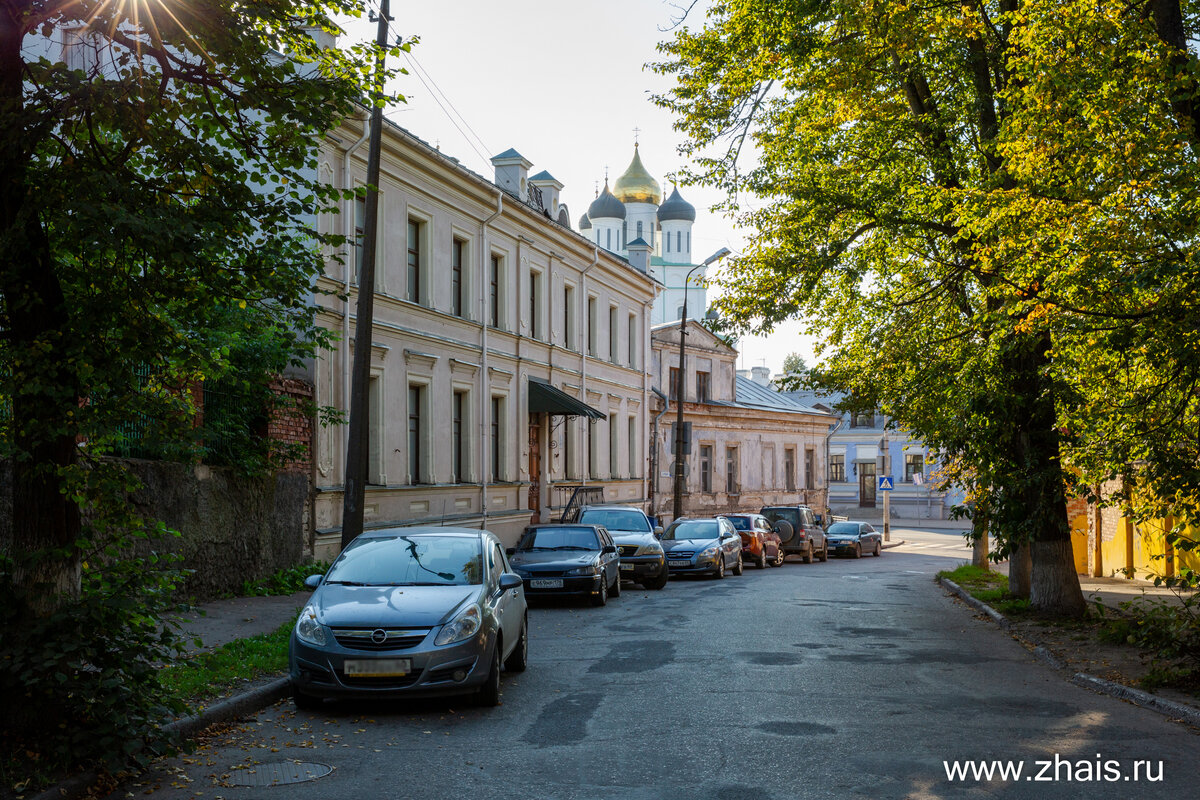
(512, 171)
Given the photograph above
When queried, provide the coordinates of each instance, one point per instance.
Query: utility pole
(677, 510)
(357, 445)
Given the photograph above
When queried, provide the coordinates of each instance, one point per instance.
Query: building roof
(510, 153)
(750, 394)
(676, 208)
(606, 206)
(545, 175)
(637, 185)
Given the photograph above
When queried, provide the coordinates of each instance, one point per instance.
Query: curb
(890, 545)
(239, 705)
(1168, 708)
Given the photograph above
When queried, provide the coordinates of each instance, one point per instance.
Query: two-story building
(509, 354)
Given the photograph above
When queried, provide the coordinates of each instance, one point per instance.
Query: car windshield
(559, 539)
(791, 515)
(741, 523)
(616, 519)
(409, 561)
(694, 529)
(844, 527)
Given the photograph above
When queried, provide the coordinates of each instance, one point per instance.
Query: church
(634, 209)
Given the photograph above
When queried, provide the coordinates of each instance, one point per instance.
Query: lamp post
(679, 384)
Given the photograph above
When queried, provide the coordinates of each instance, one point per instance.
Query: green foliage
(1169, 633)
(208, 675)
(285, 581)
(793, 364)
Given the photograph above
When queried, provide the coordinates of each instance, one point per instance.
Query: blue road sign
(885, 483)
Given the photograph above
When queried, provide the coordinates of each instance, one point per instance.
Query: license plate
(679, 563)
(378, 667)
(546, 583)
(627, 568)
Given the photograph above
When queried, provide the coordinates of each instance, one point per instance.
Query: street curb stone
(231, 708)
(890, 545)
(1168, 708)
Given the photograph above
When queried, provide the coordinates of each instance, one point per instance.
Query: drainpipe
(646, 379)
(587, 471)
(832, 430)
(654, 449)
(485, 406)
(348, 270)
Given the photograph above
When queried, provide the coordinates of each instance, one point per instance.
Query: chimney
(324, 39)
(512, 170)
(761, 375)
(550, 188)
(639, 255)
(744, 373)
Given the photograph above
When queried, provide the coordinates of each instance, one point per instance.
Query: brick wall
(291, 424)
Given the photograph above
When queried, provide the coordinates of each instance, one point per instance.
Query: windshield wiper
(568, 547)
(346, 583)
(424, 583)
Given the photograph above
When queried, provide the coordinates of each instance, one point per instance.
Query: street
(852, 678)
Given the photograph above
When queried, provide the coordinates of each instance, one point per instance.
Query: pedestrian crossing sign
(886, 483)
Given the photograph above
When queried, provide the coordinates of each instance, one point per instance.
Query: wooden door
(535, 466)
(866, 485)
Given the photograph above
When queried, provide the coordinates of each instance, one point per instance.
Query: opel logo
(379, 636)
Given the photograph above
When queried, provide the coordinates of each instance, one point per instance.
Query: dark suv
(799, 532)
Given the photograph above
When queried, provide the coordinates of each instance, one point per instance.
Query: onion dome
(606, 206)
(585, 224)
(636, 185)
(676, 208)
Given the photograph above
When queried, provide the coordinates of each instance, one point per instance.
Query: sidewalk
(222, 621)
(1111, 592)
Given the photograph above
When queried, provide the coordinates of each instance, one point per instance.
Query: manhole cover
(278, 774)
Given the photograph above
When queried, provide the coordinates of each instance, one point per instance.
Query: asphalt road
(853, 678)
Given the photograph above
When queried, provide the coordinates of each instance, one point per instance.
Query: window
(416, 455)
(668, 240)
(497, 443)
(535, 299)
(608, 239)
(82, 50)
(614, 457)
(703, 383)
(789, 469)
(689, 240)
(639, 229)
(613, 335)
(415, 231)
(674, 387)
(706, 468)
(678, 238)
(914, 464)
(731, 470)
(591, 326)
(679, 313)
(634, 450)
(634, 341)
(569, 317)
(593, 469)
(457, 285)
(810, 468)
(837, 468)
(494, 293)
(862, 419)
(458, 443)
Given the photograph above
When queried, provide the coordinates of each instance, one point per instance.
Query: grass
(208, 674)
(286, 581)
(988, 586)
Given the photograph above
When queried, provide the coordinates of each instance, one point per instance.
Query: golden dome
(636, 185)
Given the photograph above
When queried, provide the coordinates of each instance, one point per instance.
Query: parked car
(642, 558)
(760, 541)
(798, 531)
(406, 612)
(700, 546)
(854, 538)
(568, 559)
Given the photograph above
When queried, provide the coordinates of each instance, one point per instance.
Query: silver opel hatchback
(408, 612)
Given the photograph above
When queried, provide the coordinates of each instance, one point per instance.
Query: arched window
(678, 238)
(609, 245)
(639, 229)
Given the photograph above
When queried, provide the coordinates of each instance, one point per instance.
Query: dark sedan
(703, 546)
(853, 539)
(562, 559)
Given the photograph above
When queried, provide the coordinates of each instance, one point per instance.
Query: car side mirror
(608, 548)
(658, 531)
(510, 551)
(313, 581)
(510, 580)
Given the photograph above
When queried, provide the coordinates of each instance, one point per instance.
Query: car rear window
(407, 560)
(741, 523)
(790, 515)
(616, 519)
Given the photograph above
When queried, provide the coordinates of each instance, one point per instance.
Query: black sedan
(568, 560)
(703, 547)
(854, 539)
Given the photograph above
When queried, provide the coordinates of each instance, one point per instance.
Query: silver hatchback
(408, 612)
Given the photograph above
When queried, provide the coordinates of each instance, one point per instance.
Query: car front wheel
(616, 587)
(878, 548)
(737, 568)
(518, 659)
(719, 572)
(761, 562)
(659, 582)
(601, 598)
(825, 552)
(489, 693)
(858, 551)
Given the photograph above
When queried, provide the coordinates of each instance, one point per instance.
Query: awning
(545, 398)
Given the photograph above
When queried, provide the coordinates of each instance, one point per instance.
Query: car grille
(390, 681)
(629, 549)
(679, 554)
(364, 638)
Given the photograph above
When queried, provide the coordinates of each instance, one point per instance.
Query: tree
(899, 151)
(793, 364)
(163, 171)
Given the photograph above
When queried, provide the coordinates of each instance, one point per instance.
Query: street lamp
(679, 383)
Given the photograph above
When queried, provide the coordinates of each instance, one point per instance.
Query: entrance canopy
(546, 399)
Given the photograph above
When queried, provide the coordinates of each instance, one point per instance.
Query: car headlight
(649, 550)
(588, 570)
(709, 552)
(464, 626)
(308, 629)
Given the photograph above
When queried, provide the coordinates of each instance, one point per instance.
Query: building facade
(749, 445)
(508, 355)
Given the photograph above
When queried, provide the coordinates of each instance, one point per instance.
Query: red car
(760, 541)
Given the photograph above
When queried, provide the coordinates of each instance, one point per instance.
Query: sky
(564, 83)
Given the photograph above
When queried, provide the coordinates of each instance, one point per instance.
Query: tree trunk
(1019, 572)
(1055, 585)
(979, 555)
